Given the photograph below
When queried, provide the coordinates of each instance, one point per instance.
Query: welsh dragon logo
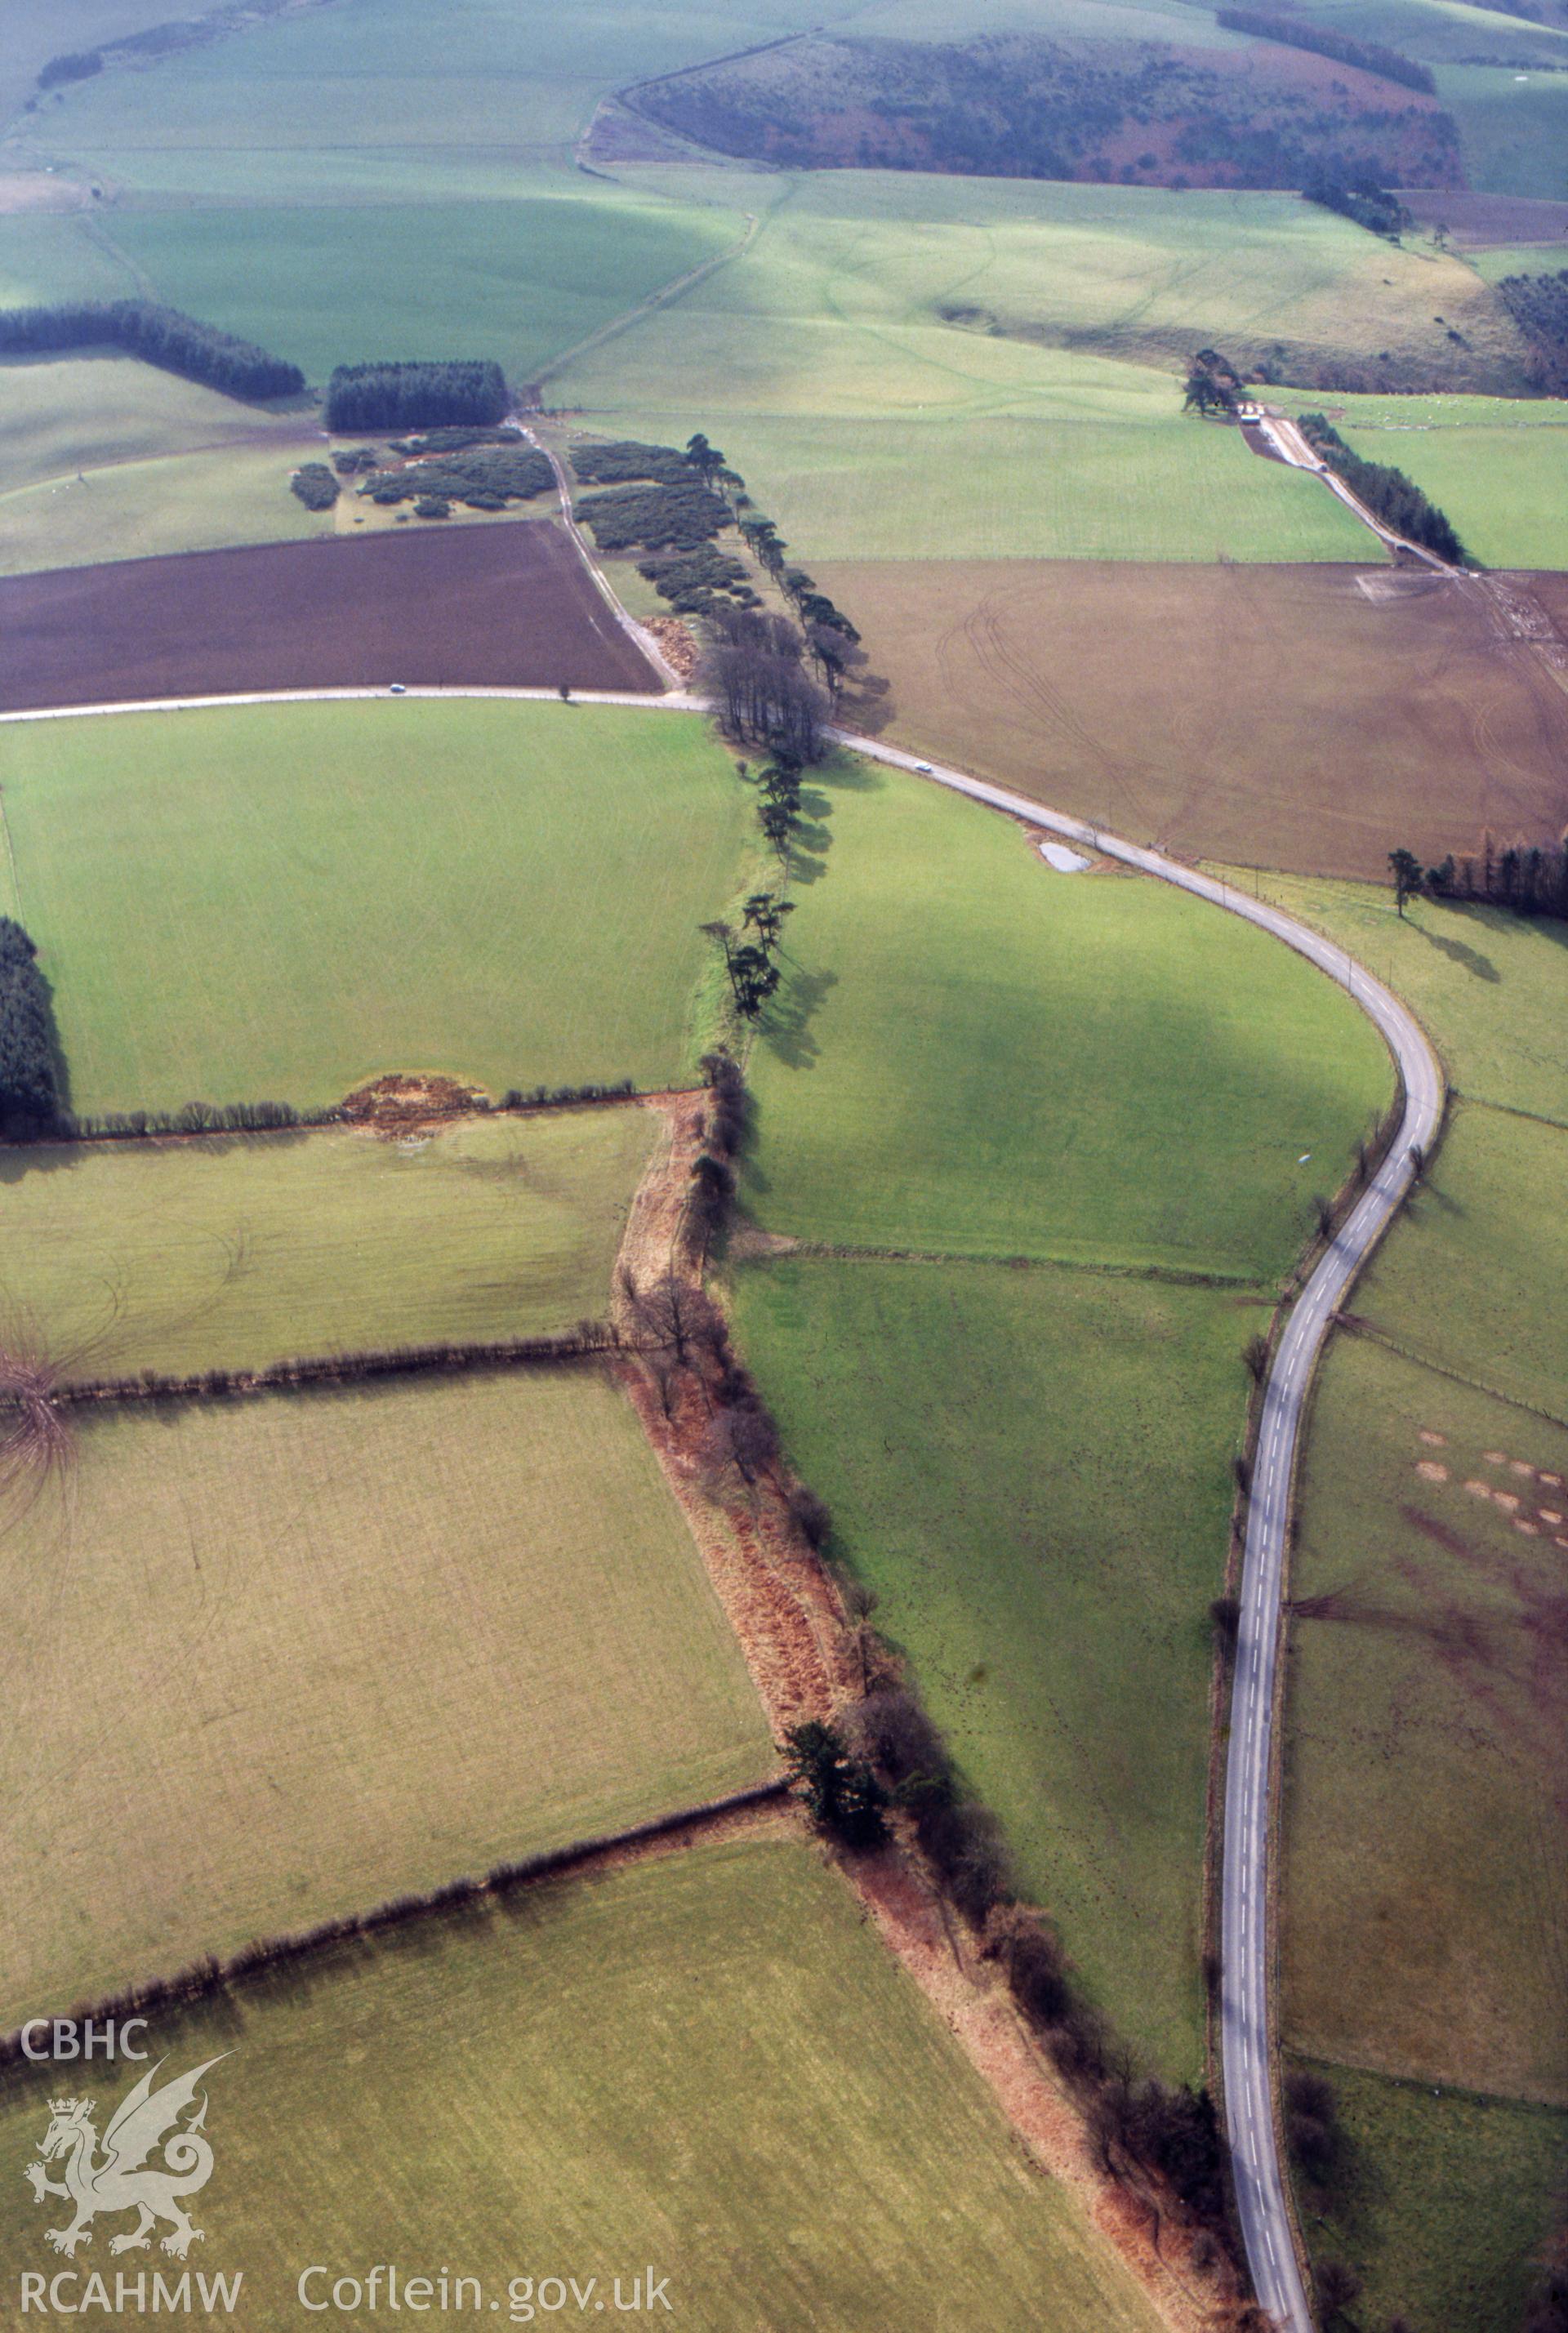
(120, 2179)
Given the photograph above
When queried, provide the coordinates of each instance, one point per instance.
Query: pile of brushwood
(415, 396)
(1386, 493)
(159, 336)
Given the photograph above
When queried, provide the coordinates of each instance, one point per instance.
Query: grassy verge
(271, 1663)
(238, 1251)
(706, 2062)
(368, 888)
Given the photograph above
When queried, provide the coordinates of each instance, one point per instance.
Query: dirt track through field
(507, 604)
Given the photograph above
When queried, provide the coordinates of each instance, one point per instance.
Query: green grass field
(1513, 133)
(1425, 1905)
(102, 457)
(1456, 2195)
(1498, 469)
(370, 887)
(973, 1055)
(520, 281)
(1031, 1470)
(1435, 30)
(1487, 986)
(872, 428)
(272, 1661)
(1425, 1915)
(1472, 1281)
(708, 2062)
(235, 1252)
(365, 75)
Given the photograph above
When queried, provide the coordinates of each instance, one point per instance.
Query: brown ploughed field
(1485, 222)
(508, 605)
(1307, 718)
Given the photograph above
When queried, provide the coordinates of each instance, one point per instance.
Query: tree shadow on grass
(1461, 953)
(786, 1031)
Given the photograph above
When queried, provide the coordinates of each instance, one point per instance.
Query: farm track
(1247, 1899)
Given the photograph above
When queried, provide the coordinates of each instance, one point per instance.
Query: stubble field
(271, 1662)
(706, 2062)
(1290, 717)
(236, 1251)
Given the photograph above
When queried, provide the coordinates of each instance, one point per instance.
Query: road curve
(1247, 1913)
(1247, 1918)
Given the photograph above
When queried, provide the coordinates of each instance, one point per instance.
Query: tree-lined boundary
(201, 1979)
(165, 337)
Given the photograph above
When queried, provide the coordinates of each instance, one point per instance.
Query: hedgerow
(1368, 56)
(202, 1978)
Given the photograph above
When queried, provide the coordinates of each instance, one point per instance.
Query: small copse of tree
(74, 64)
(29, 1051)
(654, 517)
(485, 477)
(1213, 384)
(415, 395)
(1357, 195)
(1527, 879)
(316, 485)
(842, 1792)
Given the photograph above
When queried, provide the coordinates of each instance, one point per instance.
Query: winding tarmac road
(1246, 1920)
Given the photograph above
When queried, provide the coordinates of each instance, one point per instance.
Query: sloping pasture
(275, 902)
